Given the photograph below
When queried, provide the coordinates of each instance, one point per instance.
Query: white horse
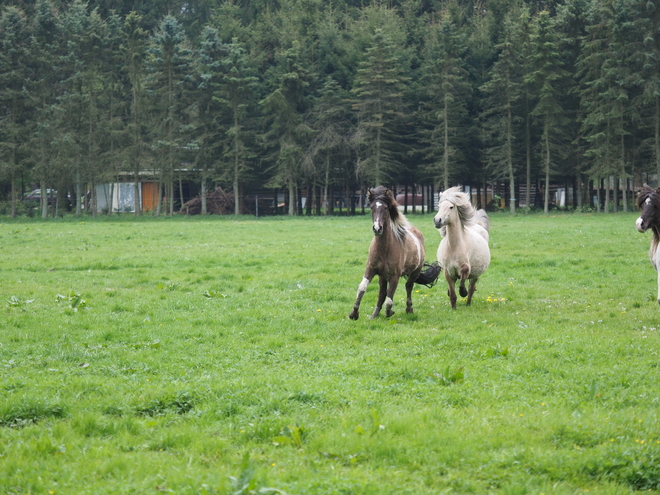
(463, 252)
(648, 202)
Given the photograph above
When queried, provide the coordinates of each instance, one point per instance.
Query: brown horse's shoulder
(416, 232)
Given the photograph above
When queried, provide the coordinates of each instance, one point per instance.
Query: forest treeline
(321, 94)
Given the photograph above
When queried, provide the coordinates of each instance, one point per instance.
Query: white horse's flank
(648, 202)
(463, 253)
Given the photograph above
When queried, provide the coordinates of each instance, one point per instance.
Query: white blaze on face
(648, 201)
(376, 222)
(638, 224)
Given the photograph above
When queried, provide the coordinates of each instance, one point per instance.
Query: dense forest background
(320, 94)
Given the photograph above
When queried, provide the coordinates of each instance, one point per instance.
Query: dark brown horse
(648, 202)
(397, 250)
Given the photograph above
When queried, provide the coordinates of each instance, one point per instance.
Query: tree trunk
(13, 195)
(203, 193)
(608, 185)
(159, 201)
(292, 198)
(445, 155)
(546, 193)
(528, 150)
(326, 185)
(657, 136)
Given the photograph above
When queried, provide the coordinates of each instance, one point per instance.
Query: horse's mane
(461, 200)
(400, 223)
(648, 192)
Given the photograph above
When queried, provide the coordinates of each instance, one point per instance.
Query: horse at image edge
(648, 202)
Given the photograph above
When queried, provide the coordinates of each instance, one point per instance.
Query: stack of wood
(218, 202)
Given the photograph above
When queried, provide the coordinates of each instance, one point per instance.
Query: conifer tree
(547, 75)
(597, 93)
(330, 148)
(169, 65)
(14, 101)
(209, 122)
(43, 93)
(236, 93)
(134, 55)
(379, 88)
(503, 94)
(286, 130)
(647, 25)
(444, 107)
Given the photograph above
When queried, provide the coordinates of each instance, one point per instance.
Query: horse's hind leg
(362, 288)
(465, 273)
(451, 290)
(471, 288)
(382, 293)
(389, 301)
(409, 287)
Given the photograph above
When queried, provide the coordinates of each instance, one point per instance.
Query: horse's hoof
(389, 313)
(354, 315)
(462, 291)
(409, 310)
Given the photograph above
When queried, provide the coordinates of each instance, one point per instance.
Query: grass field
(215, 356)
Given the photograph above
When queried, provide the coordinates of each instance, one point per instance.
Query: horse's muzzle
(640, 225)
(377, 230)
(438, 223)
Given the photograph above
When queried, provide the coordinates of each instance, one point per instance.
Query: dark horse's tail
(429, 274)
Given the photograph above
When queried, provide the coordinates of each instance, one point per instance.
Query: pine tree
(43, 88)
(647, 25)
(169, 81)
(571, 24)
(14, 102)
(330, 149)
(134, 53)
(210, 121)
(378, 88)
(287, 132)
(503, 95)
(444, 107)
(547, 76)
(236, 93)
(598, 90)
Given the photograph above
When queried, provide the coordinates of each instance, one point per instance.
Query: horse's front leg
(471, 288)
(659, 287)
(389, 300)
(382, 293)
(451, 290)
(362, 288)
(465, 273)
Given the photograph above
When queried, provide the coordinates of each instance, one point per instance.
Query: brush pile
(218, 202)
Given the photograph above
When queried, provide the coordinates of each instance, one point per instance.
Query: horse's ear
(371, 195)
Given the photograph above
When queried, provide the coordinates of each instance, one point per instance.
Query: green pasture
(215, 356)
